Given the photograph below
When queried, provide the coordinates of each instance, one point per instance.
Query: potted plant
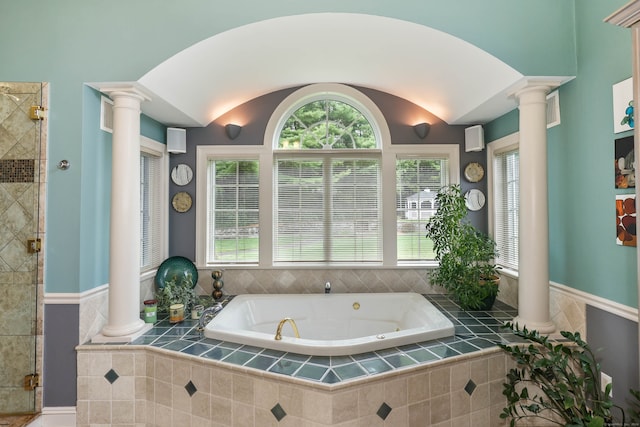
(465, 255)
(558, 383)
(178, 290)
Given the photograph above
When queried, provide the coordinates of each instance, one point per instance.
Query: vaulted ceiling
(445, 75)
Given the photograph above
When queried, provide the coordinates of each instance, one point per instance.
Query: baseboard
(58, 416)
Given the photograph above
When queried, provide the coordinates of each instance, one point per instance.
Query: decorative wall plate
(181, 202)
(181, 174)
(474, 172)
(474, 199)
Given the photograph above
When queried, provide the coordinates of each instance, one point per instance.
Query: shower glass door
(21, 132)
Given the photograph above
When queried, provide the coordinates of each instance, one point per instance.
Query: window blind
(327, 210)
(232, 213)
(507, 195)
(418, 180)
(150, 212)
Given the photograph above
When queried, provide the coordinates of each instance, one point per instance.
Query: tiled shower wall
(22, 204)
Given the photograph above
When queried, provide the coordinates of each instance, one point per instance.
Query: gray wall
(59, 365)
(397, 112)
(614, 340)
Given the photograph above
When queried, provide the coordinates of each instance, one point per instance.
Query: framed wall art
(626, 220)
(625, 163)
(623, 106)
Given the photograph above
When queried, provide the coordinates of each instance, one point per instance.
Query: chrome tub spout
(208, 314)
(278, 336)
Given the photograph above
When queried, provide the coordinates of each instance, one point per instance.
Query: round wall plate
(474, 172)
(181, 174)
(474, 199)
(181, 202)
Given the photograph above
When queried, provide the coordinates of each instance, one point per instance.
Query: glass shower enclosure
(22, 130)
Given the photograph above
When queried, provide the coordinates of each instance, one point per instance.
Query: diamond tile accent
(278, 412)
(384, 410)
(191, 388)
(111, 376)
(470, 387)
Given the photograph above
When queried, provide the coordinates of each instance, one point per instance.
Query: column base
(542, 327)
(123, 335)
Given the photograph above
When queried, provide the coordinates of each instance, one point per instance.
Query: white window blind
(150, 212)
(507, 194)
(418, 180)
(327, 210)
(232, 213)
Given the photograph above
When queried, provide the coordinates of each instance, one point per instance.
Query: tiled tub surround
(172, 376)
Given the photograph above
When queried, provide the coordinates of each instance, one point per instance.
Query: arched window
(327, 183)
(327, 124)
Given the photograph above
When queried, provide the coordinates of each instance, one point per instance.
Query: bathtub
(330, 324)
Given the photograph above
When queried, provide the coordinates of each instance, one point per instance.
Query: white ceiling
(445, 75)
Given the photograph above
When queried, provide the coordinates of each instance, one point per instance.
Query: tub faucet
(327, 288)
(278, 336)
(207, 315)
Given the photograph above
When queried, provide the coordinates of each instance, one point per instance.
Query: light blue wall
(581, 155)
(69, 43)
(583, 252)
(96, 189)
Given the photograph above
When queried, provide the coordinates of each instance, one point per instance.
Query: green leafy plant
(177, 291)
(556, 382)
(465, 255)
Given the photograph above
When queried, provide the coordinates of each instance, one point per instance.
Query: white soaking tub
(330, 324)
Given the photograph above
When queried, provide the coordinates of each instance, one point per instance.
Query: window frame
(507, 143)
(159, 150)
(265, 154)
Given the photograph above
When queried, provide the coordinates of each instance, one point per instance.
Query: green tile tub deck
(474, 331)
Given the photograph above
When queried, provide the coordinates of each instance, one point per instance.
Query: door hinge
(31, 381)
(34, 245)
(36, 112)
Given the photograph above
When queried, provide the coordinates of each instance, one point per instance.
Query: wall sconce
(422, 130)
(232, 130)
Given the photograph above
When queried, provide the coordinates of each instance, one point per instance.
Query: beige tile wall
(566, 311)
(305, 281)
(150, 391)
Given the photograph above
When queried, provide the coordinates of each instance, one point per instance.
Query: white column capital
(124, 91)
(535, 85)
(532, 94)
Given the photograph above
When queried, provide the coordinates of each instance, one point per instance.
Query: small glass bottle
(150, 311)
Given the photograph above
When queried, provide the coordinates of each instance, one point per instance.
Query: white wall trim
(609, 306)
(62, 416)
(74, 298)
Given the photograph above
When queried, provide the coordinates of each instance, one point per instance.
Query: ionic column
(533, 262)
(124, 250)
